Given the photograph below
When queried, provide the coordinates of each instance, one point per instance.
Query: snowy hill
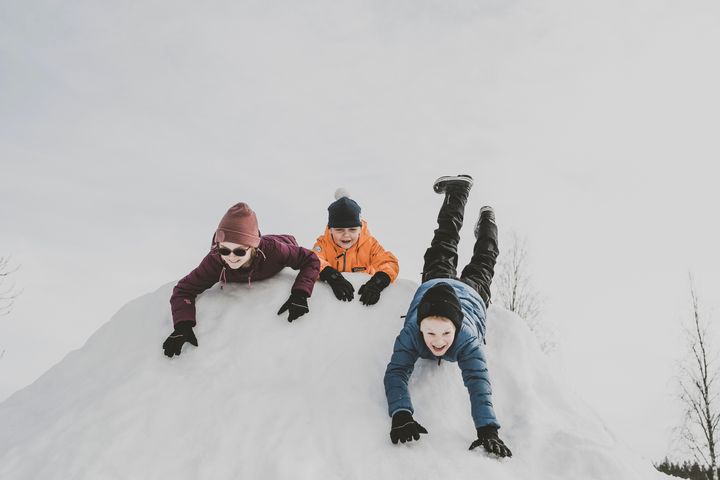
(262, 398)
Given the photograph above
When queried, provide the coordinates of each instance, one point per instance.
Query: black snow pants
(441, 258)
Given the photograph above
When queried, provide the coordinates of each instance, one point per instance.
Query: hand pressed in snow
(405, 428)
(370, 292)
(342, 289)
(296, 304)
(488, 438)
(183, 333)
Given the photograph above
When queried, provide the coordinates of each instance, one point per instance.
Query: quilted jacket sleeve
(383, 260)
(182, 301)
(471, 360)
(397, 374)
(320, 249)
(302, 259)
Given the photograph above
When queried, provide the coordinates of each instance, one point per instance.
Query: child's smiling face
(232, 258)
(438, 333)
(345, 237)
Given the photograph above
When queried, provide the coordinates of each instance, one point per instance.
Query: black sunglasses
(240, 252)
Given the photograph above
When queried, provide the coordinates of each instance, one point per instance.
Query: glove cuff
(299, 293)
(184, 327)
(328, 273)
(487, 431)
(401, 418)
(381, 280)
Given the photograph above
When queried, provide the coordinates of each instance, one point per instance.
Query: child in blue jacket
(446, 319)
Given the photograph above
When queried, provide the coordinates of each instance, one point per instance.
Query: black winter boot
(441, 184)
(486, 213)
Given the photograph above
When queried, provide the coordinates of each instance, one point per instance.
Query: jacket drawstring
(223, 278)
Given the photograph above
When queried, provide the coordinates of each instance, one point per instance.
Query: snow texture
(263, 398)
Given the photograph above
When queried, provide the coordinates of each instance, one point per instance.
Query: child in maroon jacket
(240, 254)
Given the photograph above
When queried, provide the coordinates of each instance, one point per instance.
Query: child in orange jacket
(348, 246)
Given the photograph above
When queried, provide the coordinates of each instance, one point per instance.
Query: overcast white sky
(126, 131)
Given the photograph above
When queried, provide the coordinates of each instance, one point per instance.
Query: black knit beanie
(344, 213)
(440, 300)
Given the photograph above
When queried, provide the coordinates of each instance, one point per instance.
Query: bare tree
(513, 282)
(516, 293)
(7, 290)
(698, 390)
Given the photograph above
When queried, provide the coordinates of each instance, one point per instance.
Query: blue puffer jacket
(466, 350)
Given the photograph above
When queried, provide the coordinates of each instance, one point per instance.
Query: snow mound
(262, 398)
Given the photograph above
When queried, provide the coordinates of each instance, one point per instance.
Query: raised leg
(441, 258)
(479, 272)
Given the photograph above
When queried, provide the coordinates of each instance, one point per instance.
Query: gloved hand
(488, 438)
(342, 289)
(404, 428)
(297, 304)
(370, 292)
(183, 333)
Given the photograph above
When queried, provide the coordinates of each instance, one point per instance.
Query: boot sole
(442, 182)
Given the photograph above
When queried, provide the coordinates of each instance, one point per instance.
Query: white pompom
(341, 192)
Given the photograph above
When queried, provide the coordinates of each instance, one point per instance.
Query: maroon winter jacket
(274, 253)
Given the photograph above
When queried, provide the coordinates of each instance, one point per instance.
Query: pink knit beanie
(239, 225)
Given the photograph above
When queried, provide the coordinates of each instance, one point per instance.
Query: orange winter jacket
(367, 255)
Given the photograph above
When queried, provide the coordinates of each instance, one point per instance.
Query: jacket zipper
(344, 255)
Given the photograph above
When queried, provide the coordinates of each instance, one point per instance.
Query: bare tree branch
(514, 289)
(7, 290)
(697, 391)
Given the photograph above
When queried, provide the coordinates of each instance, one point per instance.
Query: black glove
(404, 428)
(488, 438)
(342, 289)
(297, 304)
(370, 292)
(183, 333)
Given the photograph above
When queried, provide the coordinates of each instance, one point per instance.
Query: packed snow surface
(264, 398)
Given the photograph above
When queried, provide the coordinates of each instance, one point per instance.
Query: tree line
(692, 471)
